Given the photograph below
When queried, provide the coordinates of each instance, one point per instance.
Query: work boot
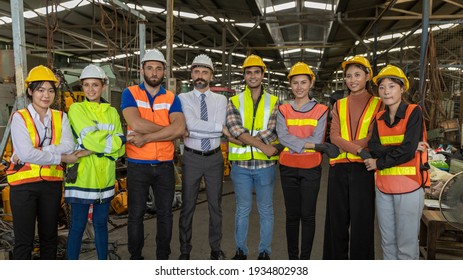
(263, 256)
(184, 257)
(240, 255)
(217, 255)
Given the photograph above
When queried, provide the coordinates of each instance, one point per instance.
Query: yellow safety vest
(30, 172)
(244, 103)
(367, 117)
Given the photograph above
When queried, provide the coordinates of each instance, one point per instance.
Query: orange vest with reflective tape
(158, 114)
(302, 125)
(368, 115)
(406, 177)
(30, 172)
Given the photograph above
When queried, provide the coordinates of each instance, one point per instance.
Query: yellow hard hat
(358, 59)
(254, 60)
(301, 68)
(391, 71)
(40, 73)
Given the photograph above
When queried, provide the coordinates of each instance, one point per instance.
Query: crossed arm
(145, 131)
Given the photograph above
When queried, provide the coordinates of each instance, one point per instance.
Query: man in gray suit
(205, 118)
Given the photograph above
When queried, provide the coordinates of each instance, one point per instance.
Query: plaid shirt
(236, 128)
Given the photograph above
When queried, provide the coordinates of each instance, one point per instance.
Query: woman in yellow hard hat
(399, 160)
(99, 134)
(301, 127)
(349, 225)
(42, 140)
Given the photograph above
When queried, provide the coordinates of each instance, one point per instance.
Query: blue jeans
(244, 182)
(79, 217)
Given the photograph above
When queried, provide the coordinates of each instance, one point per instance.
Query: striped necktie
(205, 143)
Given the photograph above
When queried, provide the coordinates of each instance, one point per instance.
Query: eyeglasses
(45, 137)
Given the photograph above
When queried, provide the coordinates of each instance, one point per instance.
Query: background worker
(41, 139)
(251, 118)
(350, 214)
(205, 113)
(154, 119)
(91, 180)
(301, 128)
(395, 147)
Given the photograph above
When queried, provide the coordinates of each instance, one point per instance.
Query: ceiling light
(280, 7)
(319, 6)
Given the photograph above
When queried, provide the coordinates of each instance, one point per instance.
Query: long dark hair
(368, 85)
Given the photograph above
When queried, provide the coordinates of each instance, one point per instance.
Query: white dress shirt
(49, 154)
(197, 128)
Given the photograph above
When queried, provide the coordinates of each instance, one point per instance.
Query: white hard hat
(93, 71)
(153, 55)
(202, 60)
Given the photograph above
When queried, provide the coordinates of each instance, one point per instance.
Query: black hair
(144, 62)
(36, 84)
(310, 77)
(368, 85)
(261, 68)
(395, 80)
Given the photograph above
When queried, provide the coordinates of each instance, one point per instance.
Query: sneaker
(217, 255)
(263, 256)
(240, 255)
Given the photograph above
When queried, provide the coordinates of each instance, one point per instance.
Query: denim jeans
(244, 182)
(141, 177)
(79, 217)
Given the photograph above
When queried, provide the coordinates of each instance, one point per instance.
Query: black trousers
(300, 191)
(141, 177)
(194, 168)
(350, 213)
(30, 203)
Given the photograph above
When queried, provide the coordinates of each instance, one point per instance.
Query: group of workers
(368, 134)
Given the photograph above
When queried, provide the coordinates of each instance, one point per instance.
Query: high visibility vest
(30, 172)
(366, 118)
(406, 177)
(254, 122)
(158, 114)
(302, 125)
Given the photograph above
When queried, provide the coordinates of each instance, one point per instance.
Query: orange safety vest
(302, 125)
(365, 120)
(29, 172)
(406, 177)
(158, 114)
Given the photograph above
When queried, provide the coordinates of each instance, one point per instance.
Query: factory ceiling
(283, 32)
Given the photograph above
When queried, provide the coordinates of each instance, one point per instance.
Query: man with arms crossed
(154, 119)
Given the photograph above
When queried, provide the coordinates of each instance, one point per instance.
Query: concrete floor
(200, 243)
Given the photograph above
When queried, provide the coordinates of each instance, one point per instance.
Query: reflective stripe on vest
(302, 125)
(30, 172)
(244, 103)
(158, 114)
(302, 122)
(405, 177)
(362, 130)
(391, 140)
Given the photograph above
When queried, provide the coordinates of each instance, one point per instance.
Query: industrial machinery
(451, 201)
